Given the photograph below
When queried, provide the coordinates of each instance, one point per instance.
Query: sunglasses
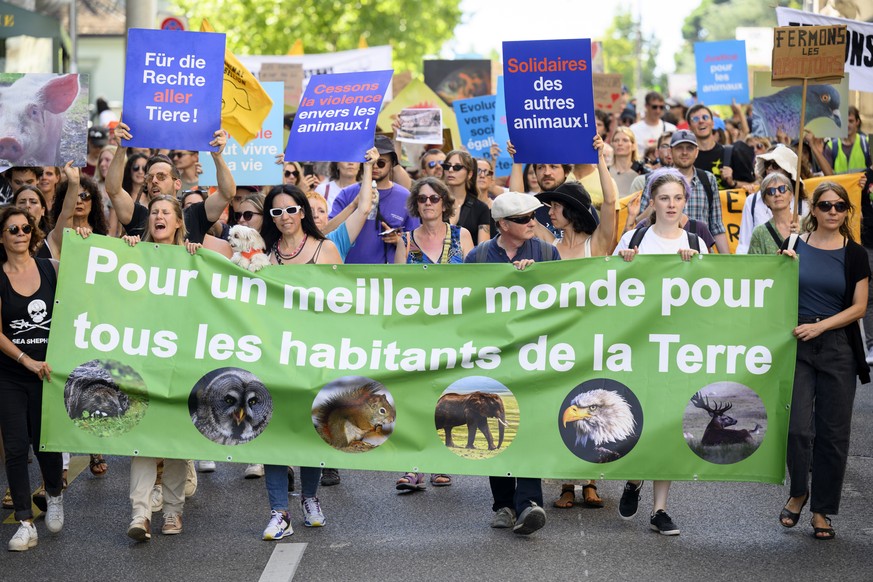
(433, 198)
(84, 196)
(699, 118)
(453, 167)
(780, 189)
(179, 154)
(247, 215)
(520, 219)
(14, 229)
(826, 206)
(484, 172)
(656, 107)
(381, 163)
(760, 147)
(433, 164)
(289, 173)
(292, 210)
(137, 168)
(160, 176)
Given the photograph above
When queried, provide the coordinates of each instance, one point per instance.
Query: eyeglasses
(781, 189)
(453, 167)
(289, 173)
(433, 164)
(520, 219)
(664, 146)
(381, 163)
(484, 172)
(433, 198)
(247, 215)
(825, 206)
(137, 168)
(160, 177)
(84, 196)
(14, 229)
(699, 118)
(656, 107)
(277, 212)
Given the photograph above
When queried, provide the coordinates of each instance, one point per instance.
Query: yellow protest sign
(244, 103)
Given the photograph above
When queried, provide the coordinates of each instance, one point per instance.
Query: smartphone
(308, 169)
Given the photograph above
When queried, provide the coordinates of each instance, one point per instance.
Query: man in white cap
(516, 244)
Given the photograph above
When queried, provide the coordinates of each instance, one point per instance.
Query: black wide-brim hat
(572, 195)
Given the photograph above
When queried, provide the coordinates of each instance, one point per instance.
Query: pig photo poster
(43, 119)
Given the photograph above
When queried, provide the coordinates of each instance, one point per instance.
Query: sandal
(567, 498)
(98, 465)
(789, 518)
(7, 500)
(590, 496)
(64, 479)
(39, 498)
(440, 480)
(411, 482)
(828, 531)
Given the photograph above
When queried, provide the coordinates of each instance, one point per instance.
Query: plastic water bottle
(374, 211)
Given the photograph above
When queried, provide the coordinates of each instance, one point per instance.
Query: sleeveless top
(314, 258)
(587, 246)
(451, 253)
(26, 320)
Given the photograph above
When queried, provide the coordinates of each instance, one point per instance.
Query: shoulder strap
(694, 241)
(790, 243)
(754, 202)
(692, 226)
(637, 237)
(710, 196)
(773, 233)
(546, 249)
(727, 156)
(482, 251)
(866, 148)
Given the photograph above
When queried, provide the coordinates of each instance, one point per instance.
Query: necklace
(280, 257)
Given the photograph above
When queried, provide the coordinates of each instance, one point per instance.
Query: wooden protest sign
(607, 91)
(804, 53)
(289, 73)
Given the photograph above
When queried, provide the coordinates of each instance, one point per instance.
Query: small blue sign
(336, 120)
(549, 96)
(722, 74)
(503, 166)
(255, 162)
(172, 88)
(476, 124)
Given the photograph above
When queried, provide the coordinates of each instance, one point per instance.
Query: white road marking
(283, 563)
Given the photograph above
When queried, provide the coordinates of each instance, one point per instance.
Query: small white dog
(248, 248)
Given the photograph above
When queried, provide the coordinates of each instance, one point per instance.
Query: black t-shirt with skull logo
(26, 320)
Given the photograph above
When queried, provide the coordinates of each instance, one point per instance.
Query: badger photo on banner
(549, 97)
(172, 88)
(859, 43)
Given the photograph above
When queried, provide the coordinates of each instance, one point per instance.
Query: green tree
(271, 27)
(620, 54)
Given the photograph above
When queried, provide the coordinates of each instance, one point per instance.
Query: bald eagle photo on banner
(600, 420)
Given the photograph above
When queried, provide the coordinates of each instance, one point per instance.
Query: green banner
(655, 369)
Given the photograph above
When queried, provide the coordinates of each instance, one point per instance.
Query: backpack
(693, 239)
(482, 250)
(707, 186)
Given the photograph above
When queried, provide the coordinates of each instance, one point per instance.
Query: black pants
(20, 417)
(516, 493)
(821, 419)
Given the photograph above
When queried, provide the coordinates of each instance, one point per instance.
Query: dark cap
(384, 145)
(683, 136)
(572, 195)
(98, 135)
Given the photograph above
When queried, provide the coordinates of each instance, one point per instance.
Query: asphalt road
(729, 532)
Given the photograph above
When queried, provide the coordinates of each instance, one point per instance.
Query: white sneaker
(24, 539)
(206, 466)
(312, 516)
(279, 526)
(190, 480)
(157, 498)
(54, 514)
(870, 356)
(254, 472)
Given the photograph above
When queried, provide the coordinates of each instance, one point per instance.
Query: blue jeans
(276, 477)
(516, 493)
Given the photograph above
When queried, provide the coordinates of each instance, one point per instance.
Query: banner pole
(800, 151)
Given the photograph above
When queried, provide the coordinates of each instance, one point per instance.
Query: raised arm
(516, 175)
(56, 236)
(364, 202)
(604, 234)
(216, 203)
(122, 203)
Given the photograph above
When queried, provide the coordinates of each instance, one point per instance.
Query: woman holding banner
(292, 238)
(776, 194)
(665, 235)
(832, 297)
(165, 226)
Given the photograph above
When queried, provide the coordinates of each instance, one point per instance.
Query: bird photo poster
(655, 369)
(775, 108)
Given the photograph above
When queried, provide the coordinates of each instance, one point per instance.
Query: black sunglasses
(774, 189)
(433, 198)
(453, 167)
(292, 210)
(825, 206)
(656, 107)
(520, 219)
(137, 168)
(484, 172)
(381, 163)
(289, 173)
(25, 228)
(247, 215)
(84, 196)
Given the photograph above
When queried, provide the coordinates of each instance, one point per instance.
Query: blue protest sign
(476, 124)
(172, 88)
(254, 163)
(722, 74)
(549, 97)
(336, 120)
(503, 166)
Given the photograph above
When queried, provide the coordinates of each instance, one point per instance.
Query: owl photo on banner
(230, 406)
